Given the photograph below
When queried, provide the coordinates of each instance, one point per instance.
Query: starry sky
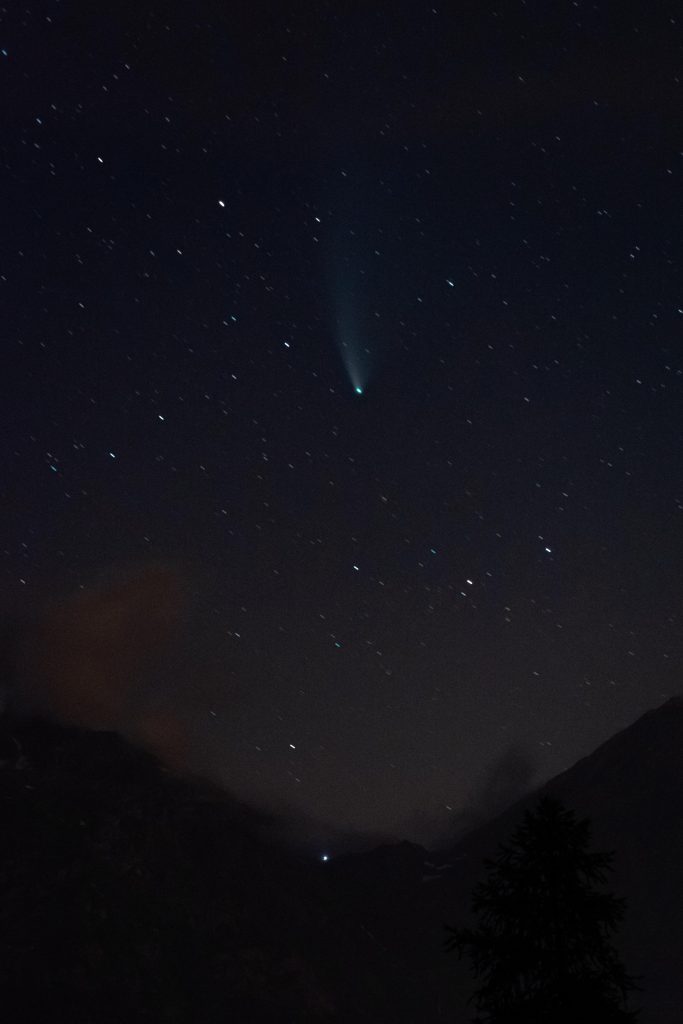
(364, 322)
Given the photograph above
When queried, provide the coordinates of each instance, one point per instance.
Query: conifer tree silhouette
(542, 949)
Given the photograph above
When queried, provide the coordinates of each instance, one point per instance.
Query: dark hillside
(130, 894)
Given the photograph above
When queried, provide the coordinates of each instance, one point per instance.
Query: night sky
(360, 324)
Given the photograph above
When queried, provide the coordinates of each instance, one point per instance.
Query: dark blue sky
(383, 594)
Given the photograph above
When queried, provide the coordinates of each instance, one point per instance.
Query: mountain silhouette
(630, 789)
(129, 893)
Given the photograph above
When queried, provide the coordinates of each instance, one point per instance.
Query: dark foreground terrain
(129, 894)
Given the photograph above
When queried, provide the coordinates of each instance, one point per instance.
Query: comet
(351, 322)
(354, 357)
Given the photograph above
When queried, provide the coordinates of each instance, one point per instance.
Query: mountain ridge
(116, 868)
